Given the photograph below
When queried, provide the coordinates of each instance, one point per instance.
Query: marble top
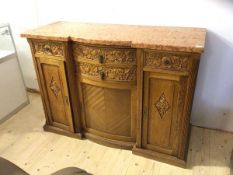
(186, 39)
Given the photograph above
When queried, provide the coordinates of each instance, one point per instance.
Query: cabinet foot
(159, 156)
(63, 132)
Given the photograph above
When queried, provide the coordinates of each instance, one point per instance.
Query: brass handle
(102, 75)
(101, 59)
(47, 49)
(167, 62)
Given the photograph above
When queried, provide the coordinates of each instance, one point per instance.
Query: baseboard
(62, 131)
(215, 129)
(31, 90)
(159, 157)
(8, 116)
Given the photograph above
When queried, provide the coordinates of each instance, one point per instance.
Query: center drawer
(105, 63)
(106, 72)
(104, 55)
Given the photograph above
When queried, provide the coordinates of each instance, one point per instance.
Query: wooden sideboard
(119, 85)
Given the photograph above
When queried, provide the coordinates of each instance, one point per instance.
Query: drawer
(104, 55)
(48, 48)
(167, 60)
(106, 72)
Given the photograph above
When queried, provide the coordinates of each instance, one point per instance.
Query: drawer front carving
(49, 48)
(105, 55)
(107, 73)
(164, 60)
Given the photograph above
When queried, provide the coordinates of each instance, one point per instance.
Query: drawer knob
(47, 49)
(101, 59)
(167, 62)
(102, 75)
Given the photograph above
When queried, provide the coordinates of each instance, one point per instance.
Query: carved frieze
(166, 61)
(162, 105)
(118, 56)
(110, 73)
(48, 48)
(84, 52)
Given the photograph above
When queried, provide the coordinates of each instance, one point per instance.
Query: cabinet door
(162, 109)
(55, 93)
(108, 111)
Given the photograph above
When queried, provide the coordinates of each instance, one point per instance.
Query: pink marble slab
(184, 39)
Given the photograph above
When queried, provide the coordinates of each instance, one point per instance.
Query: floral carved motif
(162, 105)
(54, 87)
(121, 56)
(111, 73)
(49, 48)
(166, 61)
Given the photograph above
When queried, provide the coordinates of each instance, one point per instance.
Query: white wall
(213, 103)
(12, 91)
(22, 16)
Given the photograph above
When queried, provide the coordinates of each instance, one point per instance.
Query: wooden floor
(23, 141)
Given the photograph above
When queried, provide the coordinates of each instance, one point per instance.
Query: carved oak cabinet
(124, 86)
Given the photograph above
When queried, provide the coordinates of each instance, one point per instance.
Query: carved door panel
(162, 109)
(55, 93)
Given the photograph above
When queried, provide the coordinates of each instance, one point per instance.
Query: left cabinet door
(55, 92)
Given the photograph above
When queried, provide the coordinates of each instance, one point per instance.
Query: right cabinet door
(163, 97)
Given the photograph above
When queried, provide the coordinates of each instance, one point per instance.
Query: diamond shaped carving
(162, 105)
(54, 87)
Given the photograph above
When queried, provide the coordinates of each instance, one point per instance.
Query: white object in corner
(13, 94)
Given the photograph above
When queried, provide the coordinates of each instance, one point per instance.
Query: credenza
(124, 86)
